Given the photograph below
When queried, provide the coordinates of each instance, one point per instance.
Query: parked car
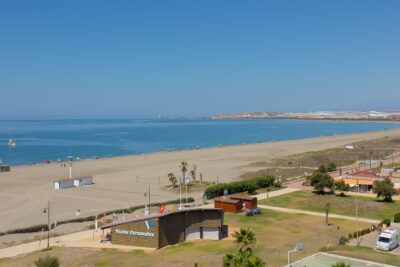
(249, 212)
(388, 240)
(256, 211)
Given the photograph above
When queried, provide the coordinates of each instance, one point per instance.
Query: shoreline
(218, 146)
(121, 181)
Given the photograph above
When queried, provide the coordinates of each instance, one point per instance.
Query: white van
(388, 240)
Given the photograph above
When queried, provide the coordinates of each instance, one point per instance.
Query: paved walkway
(321, 214)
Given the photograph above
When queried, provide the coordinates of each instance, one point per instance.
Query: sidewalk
(87, 239)
(320, 214)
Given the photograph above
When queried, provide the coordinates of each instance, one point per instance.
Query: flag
(161, 209)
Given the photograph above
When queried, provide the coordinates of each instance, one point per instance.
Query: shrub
(350, 236)
(47, 262)
(343, 240)
(386, 221)
(249, 186)
(396, 218)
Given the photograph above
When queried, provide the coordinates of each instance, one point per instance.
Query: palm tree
(340, 264)
(183, 167)
(255, 262)
(228, 260)
(172, 179)
(193, 172)
(244, 239)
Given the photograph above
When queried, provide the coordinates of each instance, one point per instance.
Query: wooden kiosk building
(160, 230)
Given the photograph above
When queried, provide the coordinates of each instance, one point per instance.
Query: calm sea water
(39, 140)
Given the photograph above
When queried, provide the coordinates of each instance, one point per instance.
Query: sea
(46, 140)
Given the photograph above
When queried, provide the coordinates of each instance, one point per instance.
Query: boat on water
(12, 142)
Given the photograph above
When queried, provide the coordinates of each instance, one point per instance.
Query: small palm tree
(183, 167)
(228, 260)
(244, 239)
(340, 264)
(193, 173)
(47, 262)
(172, 179)
(255, 262)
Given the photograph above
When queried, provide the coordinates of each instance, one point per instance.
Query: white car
(388, 240)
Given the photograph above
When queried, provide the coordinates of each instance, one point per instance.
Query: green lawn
(367, 207)
(276, 233)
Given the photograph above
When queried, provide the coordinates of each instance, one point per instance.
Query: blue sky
(149, 58)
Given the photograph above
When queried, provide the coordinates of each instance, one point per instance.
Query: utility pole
(358, 191)
(327, 207)
(370, 160)
(180, 192)
(70, 169)
(186, 184)
(47, 210)
(148, 194)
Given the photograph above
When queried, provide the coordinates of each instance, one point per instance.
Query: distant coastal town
(318, 115)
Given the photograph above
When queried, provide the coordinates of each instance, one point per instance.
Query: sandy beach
(121, 181)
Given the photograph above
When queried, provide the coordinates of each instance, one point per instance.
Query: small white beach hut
(63, 184)
(83, 181)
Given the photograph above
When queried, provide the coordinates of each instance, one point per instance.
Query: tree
(384, 189)
(244, 239)
(172, 179)
(331, 167)
(244, 257)
(183, 167)
(342, 187)
(321, 181)
(193, 173)
(340, 264)
(322, 168)
(255, 262)
(47, 262)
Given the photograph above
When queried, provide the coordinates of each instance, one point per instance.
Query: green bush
(386, 221)
(47, 262)
(396, 218)
(249, 186)
(343, 240)
(350, 236)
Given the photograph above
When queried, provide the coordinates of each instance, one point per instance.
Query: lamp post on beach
(148, 206)
(47, 210)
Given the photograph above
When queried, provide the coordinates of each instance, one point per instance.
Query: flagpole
(186, 190)
(180, 192)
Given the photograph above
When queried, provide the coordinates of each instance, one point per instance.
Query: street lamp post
(358, 191)
(148, 194)
(47, 210)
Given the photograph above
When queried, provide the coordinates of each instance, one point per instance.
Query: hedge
(249, 186)
(396, 218)
(38, 228)
(386, 222)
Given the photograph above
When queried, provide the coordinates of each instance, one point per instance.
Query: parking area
(369, 240)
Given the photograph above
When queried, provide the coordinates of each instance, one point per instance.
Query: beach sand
(24, 191)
